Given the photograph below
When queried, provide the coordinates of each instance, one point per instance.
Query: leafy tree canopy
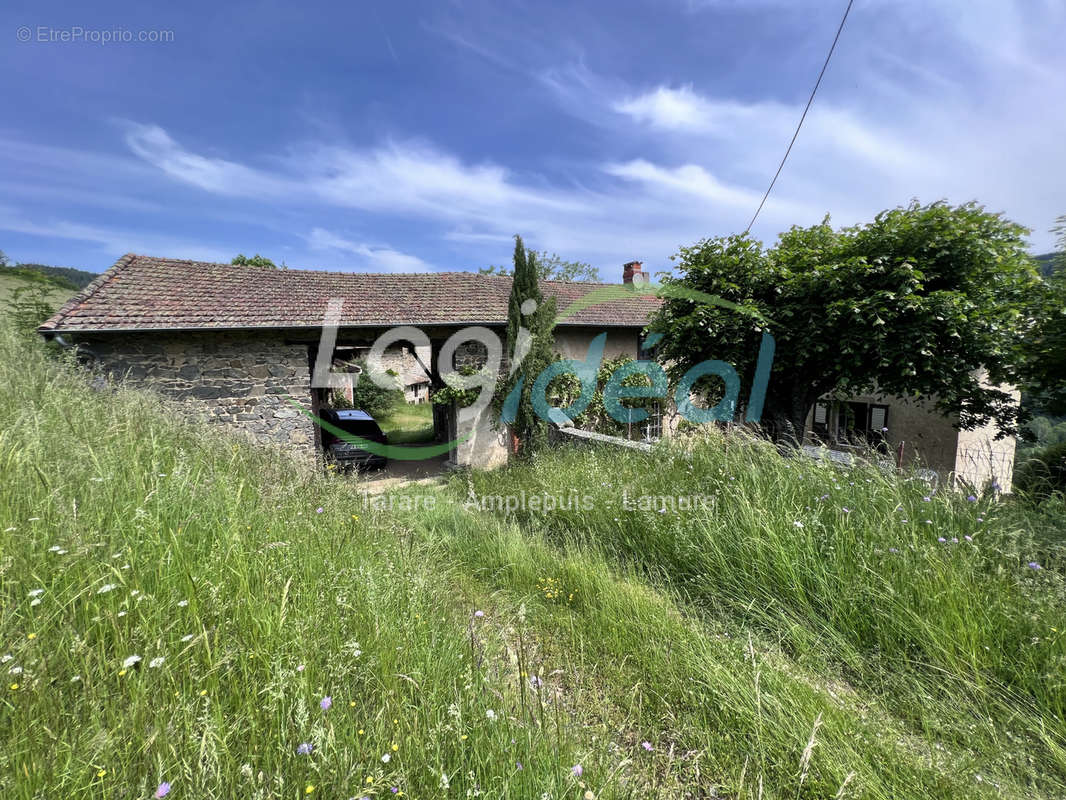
(1045, 348)
(241, 260)
(551, 267)
(912, 304)
(367, 395)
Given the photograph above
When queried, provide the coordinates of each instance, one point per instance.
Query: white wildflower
(798, 524)
(35, 602)
(75, 679)
(5, 658)
(129, 662)
(61, 552)
(187, 637)
(444, 784)
(36, 592)
(183, 603)
(385, 759)
(15, 670)
(107, 587)
(122, 613)
(54, 548)
(156, 662)
(491, 714)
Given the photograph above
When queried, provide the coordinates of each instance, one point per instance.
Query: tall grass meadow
(186, 614)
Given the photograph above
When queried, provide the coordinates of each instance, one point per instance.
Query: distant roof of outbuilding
(143, 293)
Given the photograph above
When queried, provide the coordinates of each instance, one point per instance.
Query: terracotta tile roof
(145, 293)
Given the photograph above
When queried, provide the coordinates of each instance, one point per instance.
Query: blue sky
(421, 136)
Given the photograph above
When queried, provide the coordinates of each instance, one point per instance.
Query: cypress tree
(530, 429)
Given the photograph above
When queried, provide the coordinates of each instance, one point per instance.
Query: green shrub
(1043, 473)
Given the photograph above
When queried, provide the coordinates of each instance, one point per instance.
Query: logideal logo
(585, 370)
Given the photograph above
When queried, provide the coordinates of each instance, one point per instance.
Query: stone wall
(235, 379)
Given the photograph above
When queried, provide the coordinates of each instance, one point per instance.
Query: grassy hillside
(11, 279)
(176, 606)
(69, 276)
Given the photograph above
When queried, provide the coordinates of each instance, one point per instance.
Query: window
(861, 424)
(820, 428)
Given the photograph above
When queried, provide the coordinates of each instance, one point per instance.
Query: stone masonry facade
(231, 378)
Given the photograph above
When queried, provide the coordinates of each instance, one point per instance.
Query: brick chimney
(631, 273)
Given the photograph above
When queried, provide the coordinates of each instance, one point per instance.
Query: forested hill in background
(1046, 263)
(69, 277)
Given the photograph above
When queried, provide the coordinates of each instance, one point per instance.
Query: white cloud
(909, 108)
(412, 177)
(379, 259)
(114, 241)
(154, 145)
(670, 109)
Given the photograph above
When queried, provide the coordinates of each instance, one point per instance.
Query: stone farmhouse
(233, 343)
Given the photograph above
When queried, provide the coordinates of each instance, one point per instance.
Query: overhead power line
(810, 100)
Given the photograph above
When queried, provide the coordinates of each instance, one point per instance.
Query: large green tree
(241, 260)
(530, 344)
(552, 267)
(912, 305)
(1045, 348)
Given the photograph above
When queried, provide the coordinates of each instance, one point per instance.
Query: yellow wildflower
(309, 789)
(31, 635)
(14, 687)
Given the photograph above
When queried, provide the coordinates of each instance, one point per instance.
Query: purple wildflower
(893, 550)
(319, 510)
(846, 510)
(518, 764)
(577, 770)
(972, 499)
(954, 540)
(394, 789)
(326, 703)
(647, 746)
(1034, 565)
(305, 749)
(927, 499)
(968, 538)
(941, 539)
(163, 790)
(479, 613)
